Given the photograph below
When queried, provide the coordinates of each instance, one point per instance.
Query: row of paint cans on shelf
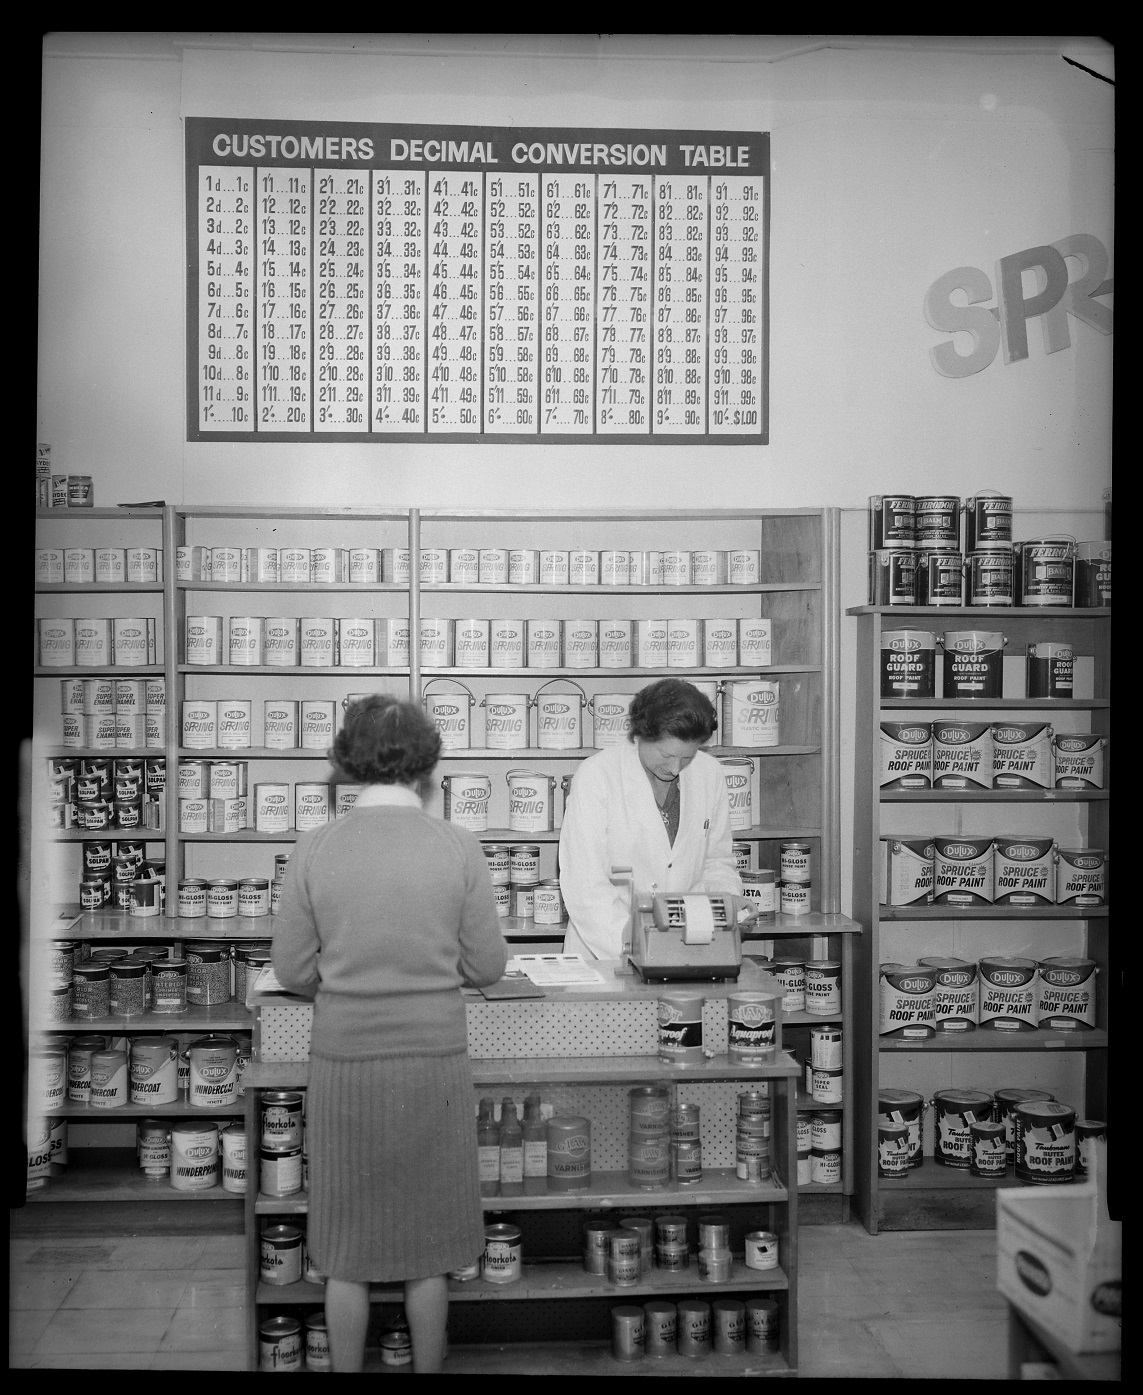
(964, 869)
(288, 724)
(954, 754)
(973, 665)
(1001, 993)
(105, 713)
(1054, 571)
(97, 641)
(101, 566)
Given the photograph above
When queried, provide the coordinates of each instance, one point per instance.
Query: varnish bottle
(535, 1148)
(488, 1148)
(511, 1151)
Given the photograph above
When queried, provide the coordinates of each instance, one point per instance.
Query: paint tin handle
(583, 699)
(456, 681)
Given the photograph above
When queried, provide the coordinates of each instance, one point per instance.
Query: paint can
(581, 643)
(823, 987)
(1045, 1142)
(279, 1171)
(1081, 877)
(432, 566)
(660, 1328)
(760, 887)
(908, 1002)
(906, 871)
(755, 642)
(548, 903)
(610, 718)
(676, 567)
(450, 713)
(466, 797)
(505, 721)
(232, 731)
(194, 1155)
(356, 646)
(213, 1079)
(553, 567)
(892, 1150)
(505, 643)
(962, 754)
(1045, 571)
(1050, 668)
(825, 1048)
(569, 1153)
(49, 566)
(79, 566)
(937, 522)
(908, 663)
(752, 1027)
(1024, 870)
(280, 1255)
(1088, 1130)
(280, 641)
(204, 639)
(1093, 574)
(583, 567)
(650, 643)
(364, 566)
(679, 1017)
(743, 566)
(954, 1113)
(559, 716)
(154, 1070)
(244, 640)
(615, 643)
(720, 643)
(892, 520)
(1065, 993)
(963, 870)
(751, 713)
(282, 1119)
(908, 1108)
(471, 643)
(645, 567)
(974, 663)
(956, 999)
(317, 641)
(987, 519)
(464, 566)
(1022, 755)
(492, 566)
(544, 643)
(1007, 993)
(892, 577)
(628, 1336)
(271, 808)
(987, 1155)
(1077, 759)
(169, 985)
(728, 1315)
(940, 578)
(524, 864)
(280, 1344)
(708, 567)
(1005, 1101)
(435, 639)
(906, 755)
(738, 771)
(153, 1148)
(989, 578)
(523, 566)
(502, 1254)
(56, 643)
(694, 1338)
(684, 649)
(791, 974)
(531, 801)
(110, 566)
(762, 1326)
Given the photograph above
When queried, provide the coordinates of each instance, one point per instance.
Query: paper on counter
(554, 970)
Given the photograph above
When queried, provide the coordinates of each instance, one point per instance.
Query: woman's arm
(296, 949)
(483, 950)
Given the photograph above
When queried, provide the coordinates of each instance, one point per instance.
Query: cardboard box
(1059, 1259)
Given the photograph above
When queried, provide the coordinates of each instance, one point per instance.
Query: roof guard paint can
(1045, 571)
(559, 717)
(954, 1113)
(1045, 1142)
(1093, 574)
(531, 801)
(751, 712)
(1065, 996)
(1081, 877)
(908, 663)
(906, 871)
(1078, 760)
(1050, 668)
(906, 755)
(1024, 870)
(908, 1003)
(451, 714)
(1022, 755)
(962, 754)
(1007, 993)
(466, 797)
(973, 664)
(908, 1108)
(956, 997)
(963, 870)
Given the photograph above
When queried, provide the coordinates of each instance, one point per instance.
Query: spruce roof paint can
(1022, 755)
(1007, 993)
(962, 754)
(1077, 759)
(892, 577)
(1045, 571)
(954, 1113)
(1045, 1142)
(451, 714)
(963, 870)
(1065, 993)
(1081, 877)
(906, 871)
(1024, 870)
(973, 663)
(956, 997)
(906, 755)
(904, 1107)
(466, 796)
(908, 663)
(1093, 574)
(908, 1002)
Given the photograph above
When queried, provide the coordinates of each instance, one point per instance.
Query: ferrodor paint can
(1078, 760)
(470, 643)
(1050, 668)
(907, 1002)
(466, 796)
(908, 663)
(940, 578)
(906, 755)
(892, 577)
(751, 713)
(904, 1107)
(559, 717)
(1045, 1142)
(610, 718)
(892, 520)
(450, 713)
(1007, 994)
(544, 643)
(936, 522)
(531, 801)
(1081, 877)
(954, 1113)
(505, 721)
(738, 772)
(1045, 571)
(963, 870)
(989, 577)
(956, 995)
(987, 519)
(1065, 996)
(1022, 755)
(962, 754)
(974, 663)
(1093, 574)
(1024, 870)
(988, 1156)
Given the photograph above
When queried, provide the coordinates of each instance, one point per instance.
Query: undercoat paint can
(963, 870)
(1024, 870)
(1022, 755)
(1081, 877)
(956, 996)
(962, 754)
(906, 871)
(466, 797)
(1065, 993)
(954, 1113)
(1007, 993)
(974, 663)
(908, 663)
(1078, 760)
(906, 755)
(908, 1003)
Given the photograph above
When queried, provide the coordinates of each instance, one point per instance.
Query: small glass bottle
(488, 1148)
(511, 1150)
(535, 1148)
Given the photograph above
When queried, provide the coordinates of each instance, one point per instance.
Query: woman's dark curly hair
(672, 707)
(384, 741)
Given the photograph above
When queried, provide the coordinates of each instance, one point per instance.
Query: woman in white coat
(656, 803)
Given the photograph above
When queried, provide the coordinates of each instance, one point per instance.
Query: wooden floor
(905, 1304)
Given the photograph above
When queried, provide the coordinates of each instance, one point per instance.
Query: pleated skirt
(394, 1184)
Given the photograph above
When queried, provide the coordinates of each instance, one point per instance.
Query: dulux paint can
(559, 717)
(962, 754)
(1022, 755)
(1078, 760)
(466, 797)
(505, 721)
(738, 772)
(1045, 571)
(908, 663)
(451, 714)
(610, 718)
(906, 871)
(1065, 993)
(973, 663)
(956, 996)
(963, 870)
(907, 1002)
(1081, 877)
(1093, 574)
(906, 755)
(1007, 993)
(1025, 870)
(531, 801)
(751, 712)
(1050, 669)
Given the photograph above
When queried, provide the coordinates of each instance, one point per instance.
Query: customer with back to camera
(385, 914)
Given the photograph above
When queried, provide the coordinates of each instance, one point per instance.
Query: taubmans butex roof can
(1045, 1142)
(954, 1113)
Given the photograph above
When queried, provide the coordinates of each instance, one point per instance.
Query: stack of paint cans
(97, 642)
(1017, 869)
(715, 1259)
(86, 566)
(104, 792)
(213, 796)
(686, 1144)
(113, 713)
(523, 879)
(672, 1252)
(900, 1139)
(795, 884)
(118, 875)
(752, 1136)
(649, 1145)
(280, 862)
(281, 1143)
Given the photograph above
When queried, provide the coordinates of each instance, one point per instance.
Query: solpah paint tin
(906, 755)
(908, 663)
